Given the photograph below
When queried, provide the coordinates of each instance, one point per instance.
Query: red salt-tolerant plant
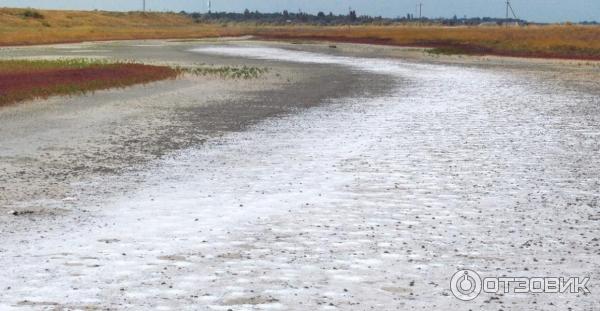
(22, 80)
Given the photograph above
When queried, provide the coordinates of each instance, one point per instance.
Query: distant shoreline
(443, 48)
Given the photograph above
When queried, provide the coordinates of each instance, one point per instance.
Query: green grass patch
(226, 72)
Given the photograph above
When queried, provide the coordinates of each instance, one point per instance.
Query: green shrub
(29, 13)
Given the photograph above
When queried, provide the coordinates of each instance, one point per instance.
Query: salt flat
(371, 199)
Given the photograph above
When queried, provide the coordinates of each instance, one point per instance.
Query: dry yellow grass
(75, 26)
(21, 27)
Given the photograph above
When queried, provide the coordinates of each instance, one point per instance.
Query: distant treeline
(287, 17)
(322, 18)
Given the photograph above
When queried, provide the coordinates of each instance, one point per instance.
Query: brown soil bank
(26, 27)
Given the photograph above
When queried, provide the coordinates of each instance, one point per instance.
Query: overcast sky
(533, 10)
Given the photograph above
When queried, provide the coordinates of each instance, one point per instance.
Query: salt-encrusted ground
(363, 203)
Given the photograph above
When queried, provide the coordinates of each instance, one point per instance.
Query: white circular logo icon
(465, 285)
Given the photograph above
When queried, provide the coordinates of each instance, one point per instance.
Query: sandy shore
(352, 178)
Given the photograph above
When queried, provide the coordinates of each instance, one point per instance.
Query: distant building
(489, 24)
(512, 23)
(502, 23)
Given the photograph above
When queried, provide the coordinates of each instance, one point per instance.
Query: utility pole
(144, 6)
(510, 8)
(419, 11)
(209, 6)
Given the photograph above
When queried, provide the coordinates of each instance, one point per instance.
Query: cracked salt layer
(366, 202)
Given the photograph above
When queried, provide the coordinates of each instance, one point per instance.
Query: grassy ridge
(24, 80)
(24, 27)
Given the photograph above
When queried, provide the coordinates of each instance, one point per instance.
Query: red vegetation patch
(19, 84)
